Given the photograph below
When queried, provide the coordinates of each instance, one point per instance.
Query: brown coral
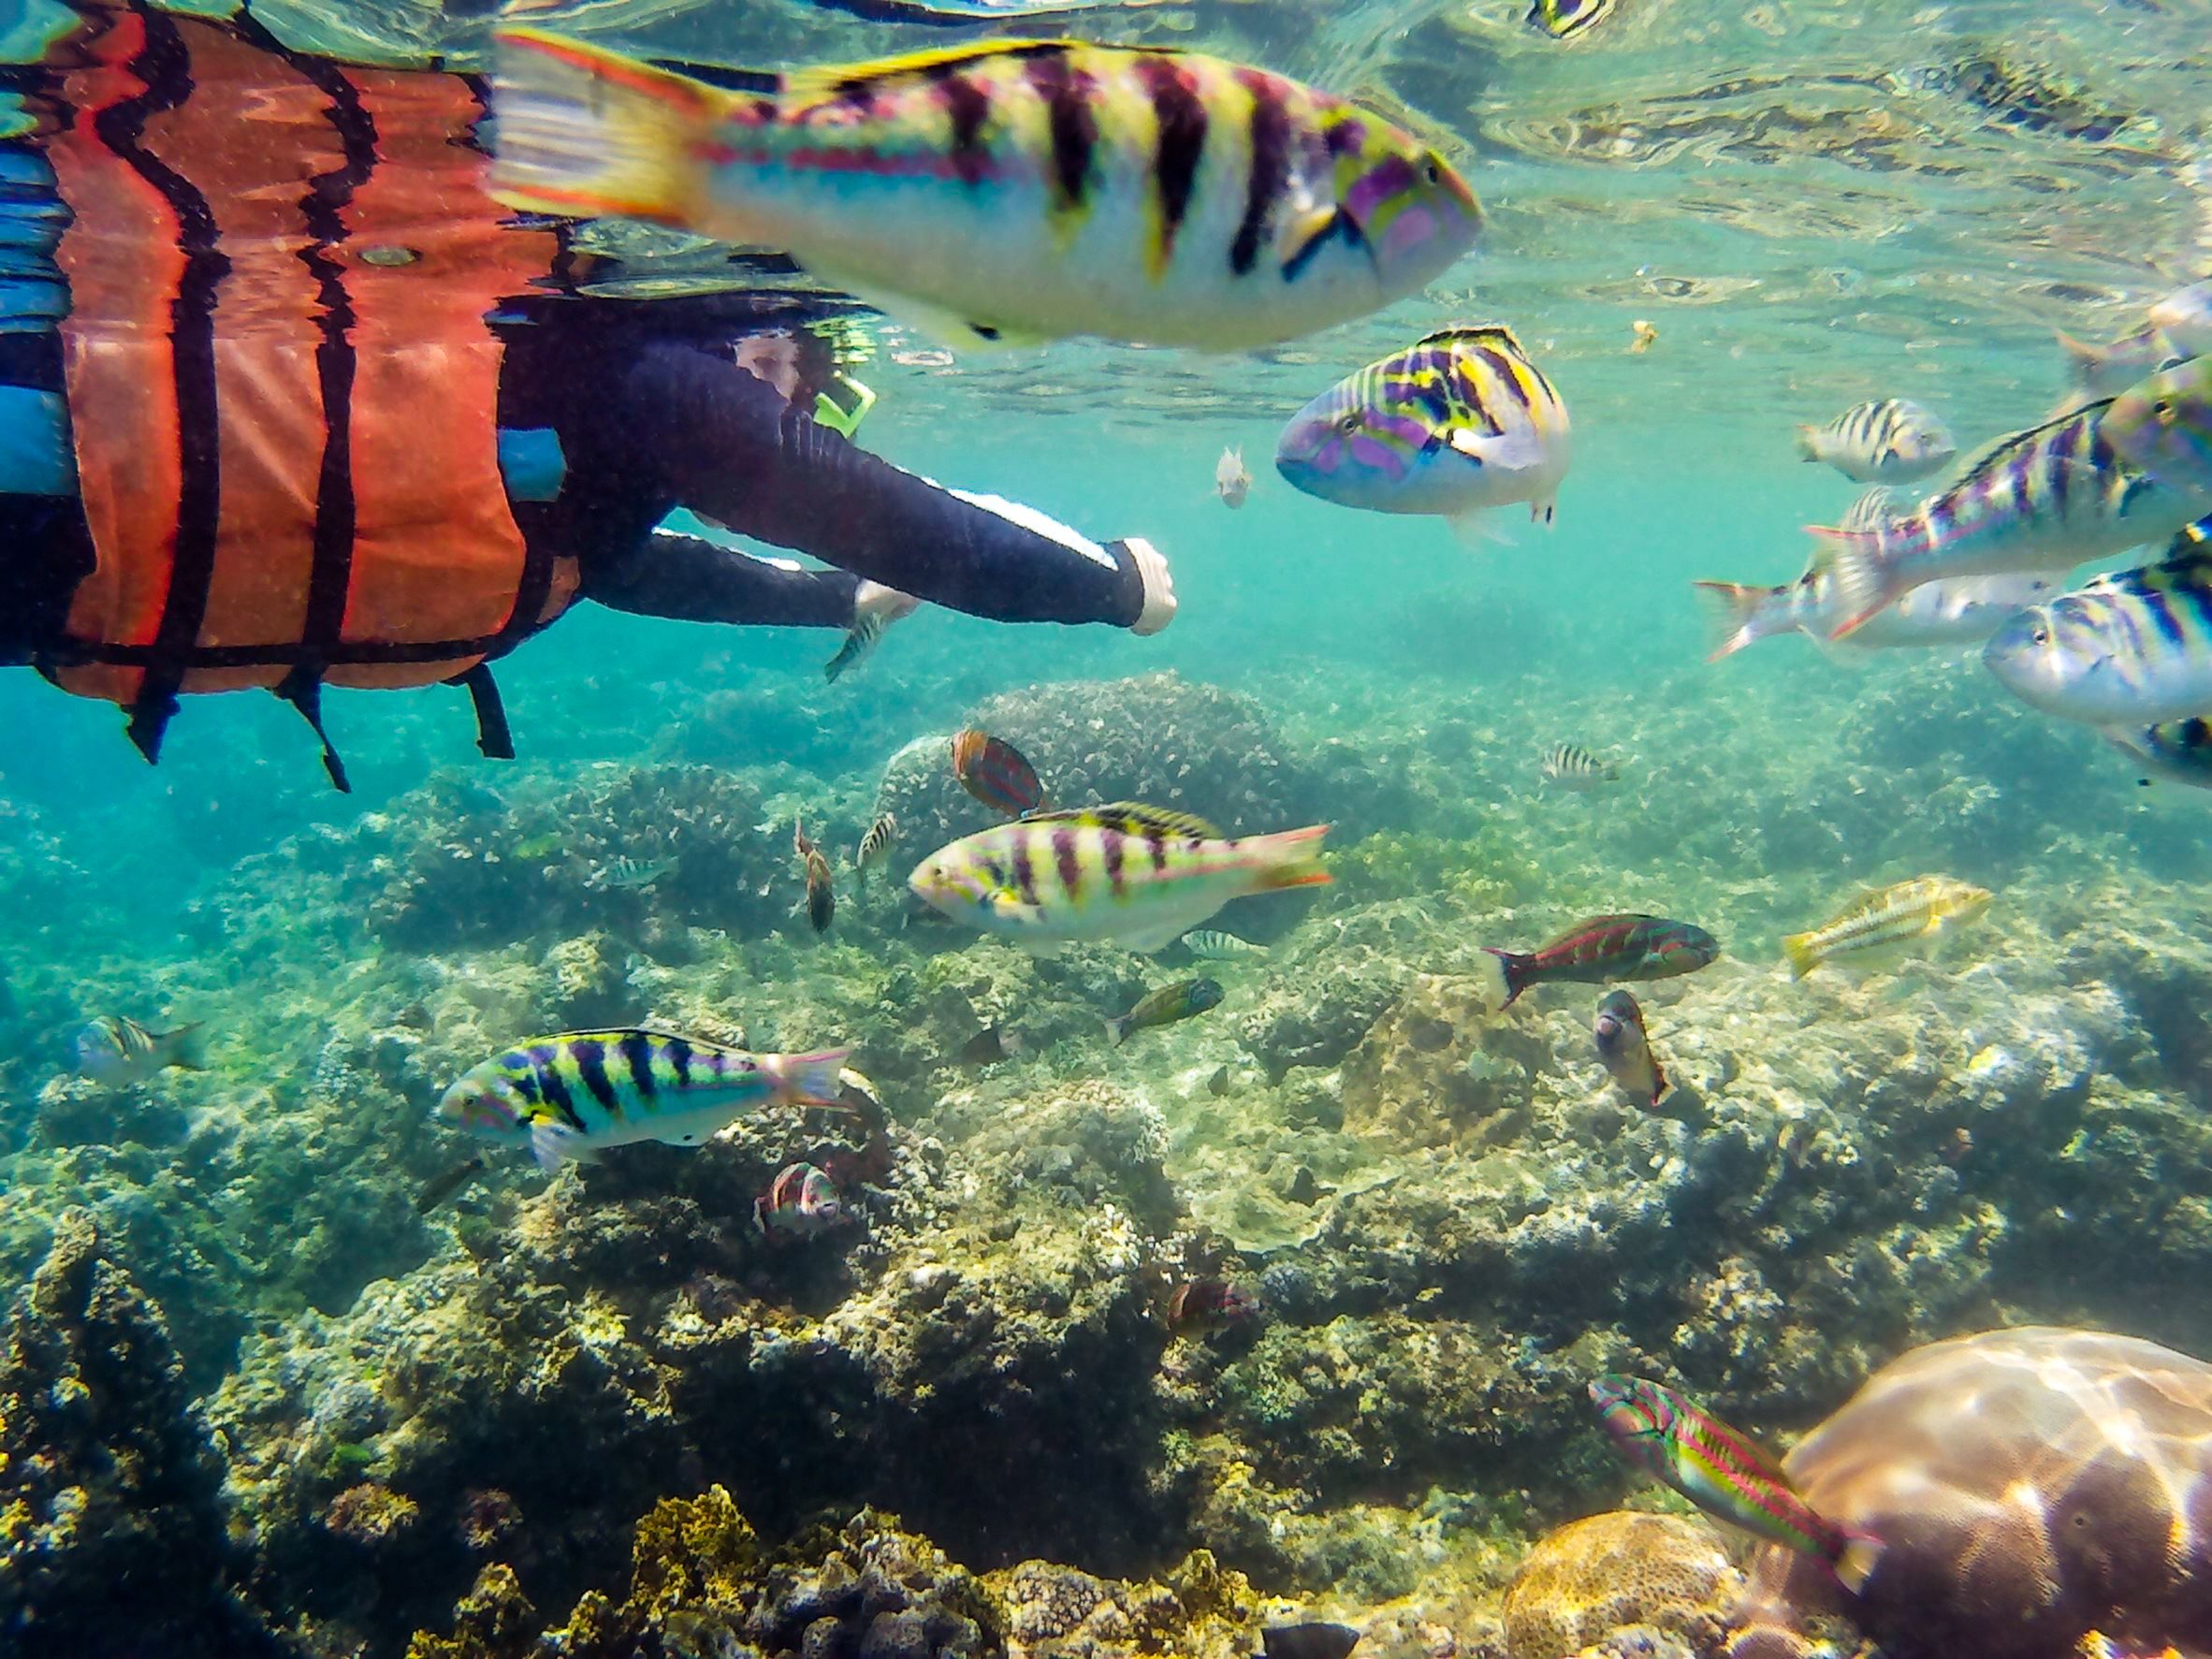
(1595, 1576)
(2031, 1486)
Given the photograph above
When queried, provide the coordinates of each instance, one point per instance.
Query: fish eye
(2043, 636)
(1434, 172)
(2164, 410)
(1348, 424)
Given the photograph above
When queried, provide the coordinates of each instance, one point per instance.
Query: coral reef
(2029, 1486)
(1594, 1579)
(112, 1520)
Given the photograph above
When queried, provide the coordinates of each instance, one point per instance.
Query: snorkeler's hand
(888, 604)
(1158, 607)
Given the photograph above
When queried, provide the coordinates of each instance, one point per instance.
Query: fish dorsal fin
(1471, 332)
(1976, 460)
(830, 80)
(1133, 818)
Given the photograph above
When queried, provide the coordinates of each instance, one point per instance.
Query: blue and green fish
(2164, 426)
(1008, 190)
(575, 1094)
(2127, 649)
(1726, 1475)
(2043, 500)
(1459, 423)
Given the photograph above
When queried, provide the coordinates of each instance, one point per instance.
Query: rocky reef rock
(2031, 1486)
(112, 1533)
(1157, 737)
(1607, 1581)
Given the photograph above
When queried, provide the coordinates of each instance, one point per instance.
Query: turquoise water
(357, 1414)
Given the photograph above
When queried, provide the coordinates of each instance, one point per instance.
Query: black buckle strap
(304, 690)
(493, 739)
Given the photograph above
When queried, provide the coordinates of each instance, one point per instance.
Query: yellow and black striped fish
(1008, 190)
(1571, 767)
(1891, 441)
(570, 1096)
(876, 845)
(117, 1051)
(1560, 19)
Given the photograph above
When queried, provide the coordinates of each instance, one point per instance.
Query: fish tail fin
(1117, 1030)
(1854, 1562)
(1807, 448)
(186, 1046)
(1475, 532)
(1797, 949)
(584, 132)
(1731, 615)
(1865, 579)
(1661, 1087)
(1508, 975)
(1289, 859)
(811, 1080)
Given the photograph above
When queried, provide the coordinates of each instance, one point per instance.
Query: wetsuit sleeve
(691, 580)
(729, 446)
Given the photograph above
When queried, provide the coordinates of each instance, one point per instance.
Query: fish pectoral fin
(948, 328)
(1305, 233)
(1154, 939)
(1476, 531)
(554, 1144)
(1467, 441)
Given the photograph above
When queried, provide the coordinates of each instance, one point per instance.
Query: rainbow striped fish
(1601, 949)
(995, 772)
(1130, 874)
(1456, 424)
(1561, 19)
(1892, 440)
(1008, 190)
(2164, 426)
(1904, 916)
(1726, 1475)
(572, 1095)
(2043, 500)
(2129, 648)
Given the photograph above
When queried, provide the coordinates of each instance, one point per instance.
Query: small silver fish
(861, 640)
(1232, 483)
(118, 1052)
(1211, 945)
(623, 871)
(1892, 440)
(1573, 767)
(876, 845)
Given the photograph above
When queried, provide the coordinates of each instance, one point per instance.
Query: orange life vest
(281, 382)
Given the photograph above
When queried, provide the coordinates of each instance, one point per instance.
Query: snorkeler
(314, 411)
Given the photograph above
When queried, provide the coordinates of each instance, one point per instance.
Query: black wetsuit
(652, 411)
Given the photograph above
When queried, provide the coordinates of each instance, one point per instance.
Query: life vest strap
(304, 690)
(151, 713)
(493, 739)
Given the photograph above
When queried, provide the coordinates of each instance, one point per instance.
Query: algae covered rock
(2031, 1487)
(112, 1529)
(1616, 1572)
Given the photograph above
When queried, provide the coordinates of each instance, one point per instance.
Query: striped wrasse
(1917, 914)
(573, 1095)
(1459, 422)
(1560, 19)
(2043, 500)
(2127, 649)
(1210, 945)
(1955, 612)
(876, 845)
(1573, 767)
(115, 1049)
(1134, 875)
(2164, 426)
(1892, 440)
(2179, 751)
(1008, 190)
(1726, 1475)
(1601, 949)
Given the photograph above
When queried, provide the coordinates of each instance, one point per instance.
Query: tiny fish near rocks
(801, 1203)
